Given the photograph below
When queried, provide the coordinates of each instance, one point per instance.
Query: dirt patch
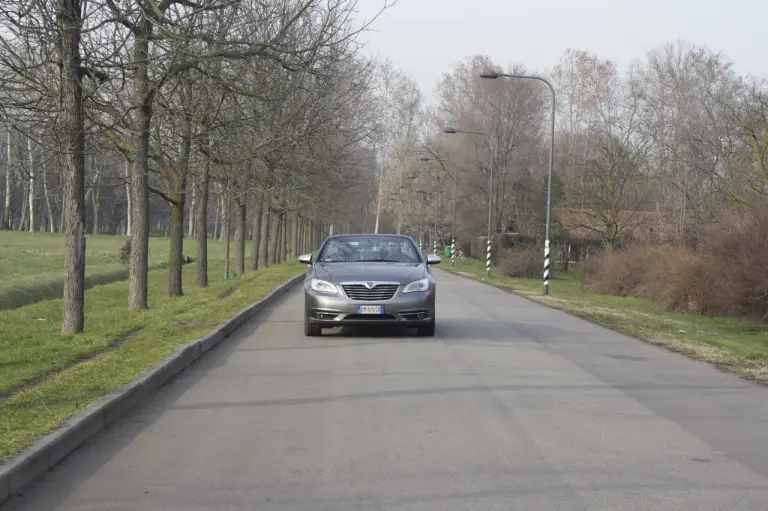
(229, 292)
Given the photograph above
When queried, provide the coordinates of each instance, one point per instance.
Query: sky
(425, 38)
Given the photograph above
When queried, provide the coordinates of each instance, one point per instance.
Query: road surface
(512, 406)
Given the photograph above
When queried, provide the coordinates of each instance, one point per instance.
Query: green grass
(32, 263)
(44, 378)
(729, 343)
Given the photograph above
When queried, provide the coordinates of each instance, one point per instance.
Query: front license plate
(369, 309)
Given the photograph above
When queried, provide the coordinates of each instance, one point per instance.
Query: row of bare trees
(661, 150)
(121, 116)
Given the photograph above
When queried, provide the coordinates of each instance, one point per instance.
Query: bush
(587, 269)
(522, 263)
(622, 273)
(737, 251)
(125, 252)
(726, 275)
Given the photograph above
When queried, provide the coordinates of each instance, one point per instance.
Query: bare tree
(68, 17)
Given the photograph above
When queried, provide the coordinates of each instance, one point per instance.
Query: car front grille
(377, 293)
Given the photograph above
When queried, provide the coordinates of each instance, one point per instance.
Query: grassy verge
(32, 264)
(731, 344)
(44, 378)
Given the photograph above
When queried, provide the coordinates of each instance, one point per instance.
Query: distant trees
(661, 150)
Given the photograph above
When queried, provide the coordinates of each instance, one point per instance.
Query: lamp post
(453, 232)
(452, 131)
(492, 75)
(421, 229)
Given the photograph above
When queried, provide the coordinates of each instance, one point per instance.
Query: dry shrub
(679, 281)
(522, 263)
(587, 269)
(727, 275)
(737, 255)
(623, 272)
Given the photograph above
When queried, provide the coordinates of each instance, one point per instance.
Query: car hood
(393, 272)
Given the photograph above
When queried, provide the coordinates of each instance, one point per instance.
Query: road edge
(669, 349)
(48, 451)
(508, 289)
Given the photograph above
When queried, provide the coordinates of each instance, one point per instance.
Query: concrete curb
(48, 451)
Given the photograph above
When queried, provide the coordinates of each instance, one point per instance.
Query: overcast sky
(424, 38)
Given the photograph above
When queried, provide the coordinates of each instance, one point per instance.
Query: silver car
(369, 279)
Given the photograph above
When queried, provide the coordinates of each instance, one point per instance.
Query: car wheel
(311, 330)
(427, 330)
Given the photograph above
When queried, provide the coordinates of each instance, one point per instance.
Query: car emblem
(369, 285)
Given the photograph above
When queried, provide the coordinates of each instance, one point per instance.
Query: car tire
(427, 330)
(311, 330)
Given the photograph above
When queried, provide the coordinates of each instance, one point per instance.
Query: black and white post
(434, 247)
(488, 259)
(453, 252)
(546, 264)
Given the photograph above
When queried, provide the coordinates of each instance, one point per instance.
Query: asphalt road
(512, 406)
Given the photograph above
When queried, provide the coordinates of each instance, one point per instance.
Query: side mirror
(433, 259)
(305, 259)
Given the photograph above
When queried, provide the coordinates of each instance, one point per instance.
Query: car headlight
(417, 285)
(322, 286)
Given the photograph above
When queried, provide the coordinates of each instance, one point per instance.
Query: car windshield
(346, 249)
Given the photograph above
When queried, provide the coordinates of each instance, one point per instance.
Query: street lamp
(452, 131)
(453, 234)
(437, 207)
(492, 75)
(424, 194)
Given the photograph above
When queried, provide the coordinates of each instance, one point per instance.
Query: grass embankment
(32, 264)
(44, 378)
(732, 344)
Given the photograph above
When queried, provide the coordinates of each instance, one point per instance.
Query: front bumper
(409, 309)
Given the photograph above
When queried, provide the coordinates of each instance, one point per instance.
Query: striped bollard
(453, 252)
(488, 259)
(545, 292)
(434, 247)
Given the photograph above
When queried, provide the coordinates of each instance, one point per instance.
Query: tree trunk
(256, 229)
(24, 203)
(300, 228)
(295, 236)
(217, 214)
(95, 196)
(7, 216)
(178, 182)
(225, 227)
(175, 262)
(240, 235)
(284, 233)
(31, 158)
(276, 242)
(202, 225)
(51, 222)
(191, 215)
(139, 261)
(225, 218)
(128, 213)
(265, 224)
(68, 14)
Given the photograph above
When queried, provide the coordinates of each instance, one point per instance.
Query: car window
(369, 249)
